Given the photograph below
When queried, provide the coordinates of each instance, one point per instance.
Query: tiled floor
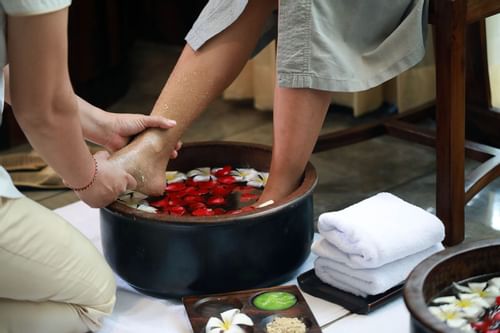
(346, 175)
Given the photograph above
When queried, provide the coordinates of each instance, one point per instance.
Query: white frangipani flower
(174, 177)
(260, 180)
(482, 290)
(450, 314)
(244, 174)
(230, 323)
(469, 304)
(201, 174)
(494, 282)
(147, 208)
(136, 200)
(467, 328)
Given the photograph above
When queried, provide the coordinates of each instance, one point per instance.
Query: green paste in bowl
(274, 300)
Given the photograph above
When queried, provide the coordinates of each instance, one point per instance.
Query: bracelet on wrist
(83, 188)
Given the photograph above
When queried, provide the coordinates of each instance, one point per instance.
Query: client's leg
(52, 280)
(298, 117)
(196, 80)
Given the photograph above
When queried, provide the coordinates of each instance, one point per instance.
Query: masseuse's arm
(114, 130)
(109, 130)
(46, 107)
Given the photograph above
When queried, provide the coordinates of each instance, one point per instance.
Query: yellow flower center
(226, 325)
(464, 303)
(450, 315)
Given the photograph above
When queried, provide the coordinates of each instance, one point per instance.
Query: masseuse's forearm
(42, 98)
(57, 136)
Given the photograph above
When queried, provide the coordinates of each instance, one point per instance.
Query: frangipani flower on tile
(245, 174)
(450, 314)
(230, 323)
(480, 289)
(469, 304)
(201, 174)
(260, 180)
(174, 177)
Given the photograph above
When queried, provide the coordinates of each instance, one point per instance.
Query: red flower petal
(162, 203)
(189, 199)
(201, 191)
(208, 184)
(177, 195)
(197, 205)
(245, 197)
(203, 212)
(222, 190)
(226, 180)
(219, 211)
(190, 182)
(216, 201)
(223, 171)
(175, 187)
(177, 210)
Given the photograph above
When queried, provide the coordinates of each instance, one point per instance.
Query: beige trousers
(52, 279)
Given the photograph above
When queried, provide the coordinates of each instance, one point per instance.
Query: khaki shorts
(333, 45)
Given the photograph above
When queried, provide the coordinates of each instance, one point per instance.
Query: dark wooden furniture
(454, 22)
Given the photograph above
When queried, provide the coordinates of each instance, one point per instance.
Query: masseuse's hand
(114, 130)
(121, 127)
(109, 183)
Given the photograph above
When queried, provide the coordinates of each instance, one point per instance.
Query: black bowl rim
(301, 193)
(417, 277)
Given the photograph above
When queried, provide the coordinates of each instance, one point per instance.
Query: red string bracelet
(80, 189)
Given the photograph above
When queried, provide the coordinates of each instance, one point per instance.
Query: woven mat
(29, 170)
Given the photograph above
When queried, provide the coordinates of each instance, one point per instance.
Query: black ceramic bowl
(468, 261)
(168, 256)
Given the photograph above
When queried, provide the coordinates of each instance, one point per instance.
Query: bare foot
(146, 159)
(276, 189)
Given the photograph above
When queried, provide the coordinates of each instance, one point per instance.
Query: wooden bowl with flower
(457, 290)
(176, 247)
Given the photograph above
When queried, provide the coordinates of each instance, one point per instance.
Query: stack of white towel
(372, 246)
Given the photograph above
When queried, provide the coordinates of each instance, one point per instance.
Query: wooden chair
(454, 22)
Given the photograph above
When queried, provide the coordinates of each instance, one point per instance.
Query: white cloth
(369, 281)
(380, 229)
(18, 8)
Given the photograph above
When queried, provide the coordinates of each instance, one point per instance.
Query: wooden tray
(201, 308)
(312, 285)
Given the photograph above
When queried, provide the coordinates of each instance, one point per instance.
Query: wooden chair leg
(450, 117)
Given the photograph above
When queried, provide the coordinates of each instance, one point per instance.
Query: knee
(104, 301)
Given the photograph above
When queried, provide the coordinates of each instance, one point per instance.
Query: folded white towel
(370, 281)
(380, 229)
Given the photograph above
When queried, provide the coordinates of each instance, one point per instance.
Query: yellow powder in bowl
(286, 325)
